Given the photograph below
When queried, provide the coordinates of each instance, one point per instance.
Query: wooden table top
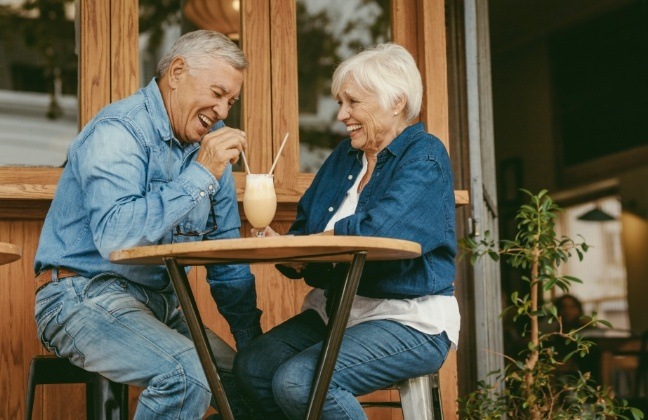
(311, 248)
(9, 253)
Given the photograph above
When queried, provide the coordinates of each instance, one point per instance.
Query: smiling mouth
(205, 121)
(351, 128)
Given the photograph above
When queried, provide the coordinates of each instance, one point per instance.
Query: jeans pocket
(46, 315)
(99, 284)
(115, 295)
(48, 305)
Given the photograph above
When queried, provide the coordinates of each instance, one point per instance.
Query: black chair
(420, 398)
(105, 400)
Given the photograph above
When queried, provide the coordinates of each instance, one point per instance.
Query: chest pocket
(195, 221)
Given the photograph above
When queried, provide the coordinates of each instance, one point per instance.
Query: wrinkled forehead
(219, 73)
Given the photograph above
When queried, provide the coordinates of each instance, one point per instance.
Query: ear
(176, 72)
(399, 105)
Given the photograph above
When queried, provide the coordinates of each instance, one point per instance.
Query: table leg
(335, 332)
(198, 334)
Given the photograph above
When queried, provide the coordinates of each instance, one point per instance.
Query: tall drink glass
(259, 201)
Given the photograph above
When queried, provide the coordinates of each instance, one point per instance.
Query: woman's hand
(292, 270)
(267, 232)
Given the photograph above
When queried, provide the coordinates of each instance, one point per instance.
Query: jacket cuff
(243, 337)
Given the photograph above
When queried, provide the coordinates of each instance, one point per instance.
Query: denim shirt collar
(160, 116)
(397, 146)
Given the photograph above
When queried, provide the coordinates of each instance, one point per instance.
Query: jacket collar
(399, 144)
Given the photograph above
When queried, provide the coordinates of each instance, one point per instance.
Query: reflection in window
(327, 33)
(162, 24)
(38, 82)
(604, 287)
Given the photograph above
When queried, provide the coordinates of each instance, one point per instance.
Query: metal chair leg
(421, 398)
(105, 400)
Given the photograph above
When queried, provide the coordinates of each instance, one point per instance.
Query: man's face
(202, 97)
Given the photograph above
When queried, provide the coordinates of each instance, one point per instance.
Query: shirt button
(202, 193)
(330, 209)
(211, 187)
(350, 176)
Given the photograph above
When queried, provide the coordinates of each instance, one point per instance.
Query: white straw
(283, 143)
(247, 168)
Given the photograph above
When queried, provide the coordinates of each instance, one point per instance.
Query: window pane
(38, 82)
(603, 272)
(327, 33)
(162, 24)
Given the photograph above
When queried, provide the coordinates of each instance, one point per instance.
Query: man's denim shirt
(128, 182)
(410, 196)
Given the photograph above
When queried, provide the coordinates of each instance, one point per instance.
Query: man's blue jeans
(276, 369)
(132, 335)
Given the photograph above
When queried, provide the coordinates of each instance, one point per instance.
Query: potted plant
(529, 387)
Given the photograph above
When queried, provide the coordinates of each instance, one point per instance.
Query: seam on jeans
(348, 416)
(162, 351)
(91, 305)
(419, 344)
(191, 378)
(179, 372)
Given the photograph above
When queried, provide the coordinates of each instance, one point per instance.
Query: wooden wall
(108, 71)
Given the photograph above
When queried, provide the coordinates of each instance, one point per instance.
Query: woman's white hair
(199, 47)
(389, 71)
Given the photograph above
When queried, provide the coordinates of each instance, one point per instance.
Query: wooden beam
(124, 48)
(433, 63)
(93, 47)
(404, 25)
(256, 105)
(285, 108)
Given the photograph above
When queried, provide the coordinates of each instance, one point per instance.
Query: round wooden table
(274, 249)
(9, 253)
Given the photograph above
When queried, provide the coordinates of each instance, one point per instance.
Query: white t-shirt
(431, 314)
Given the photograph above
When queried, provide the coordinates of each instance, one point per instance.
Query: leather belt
(45, 277)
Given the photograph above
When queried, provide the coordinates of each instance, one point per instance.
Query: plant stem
(533, 356)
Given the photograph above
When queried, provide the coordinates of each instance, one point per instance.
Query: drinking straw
(247, 168)
(283, 143)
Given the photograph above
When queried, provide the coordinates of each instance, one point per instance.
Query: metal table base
(330, 347)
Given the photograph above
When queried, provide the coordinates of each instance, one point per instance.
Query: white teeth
(205, 120)
(354, 127)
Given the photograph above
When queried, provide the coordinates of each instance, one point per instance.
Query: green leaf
(604, 322)
(537, 245)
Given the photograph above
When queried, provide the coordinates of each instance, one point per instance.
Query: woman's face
(202, 98)
(370, 127)
(569, 310)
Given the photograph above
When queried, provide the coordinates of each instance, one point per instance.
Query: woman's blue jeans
(132, 335)
(276, 369)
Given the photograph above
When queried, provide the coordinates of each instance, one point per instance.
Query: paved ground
(27, 136)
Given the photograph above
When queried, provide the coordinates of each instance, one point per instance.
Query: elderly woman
(390, 179)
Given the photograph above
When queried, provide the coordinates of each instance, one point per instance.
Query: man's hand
(219, 148)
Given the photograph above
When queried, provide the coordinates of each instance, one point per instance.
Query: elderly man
(154, 168)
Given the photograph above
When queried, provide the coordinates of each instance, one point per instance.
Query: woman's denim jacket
(410, 196)
(128, 182)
